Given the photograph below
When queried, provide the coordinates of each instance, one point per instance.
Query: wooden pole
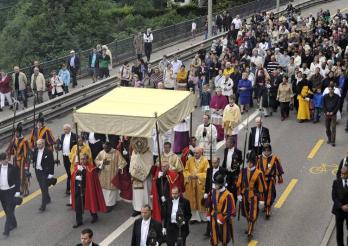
(158, 142)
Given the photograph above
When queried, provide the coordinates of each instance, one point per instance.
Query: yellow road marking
(286, 193)
(315, 149)
(252, 243)
(34, 194)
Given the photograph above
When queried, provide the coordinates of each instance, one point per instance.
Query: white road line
(129, 222)
(328, 232)
(241, 126)
(116, 233)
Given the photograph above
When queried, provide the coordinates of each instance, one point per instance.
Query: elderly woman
(285, 97)
(217, 106)
(168, 78)
(181, 79)
(156, 77)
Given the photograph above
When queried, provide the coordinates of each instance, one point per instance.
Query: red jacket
(5, 84)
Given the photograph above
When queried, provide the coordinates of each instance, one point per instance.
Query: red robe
(173, 179)
(94, 199)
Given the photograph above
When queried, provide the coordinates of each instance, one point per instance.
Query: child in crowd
(318, 104)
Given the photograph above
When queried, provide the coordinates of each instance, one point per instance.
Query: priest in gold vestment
(108, 161)
(195, 173)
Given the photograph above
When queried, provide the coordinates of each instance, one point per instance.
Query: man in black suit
(343, 163)
(73, 66)
(212, 171)
(340, 206)
(232, 163)
(259, 135)
(86, 238)
(146, 231)
(43, 163)
(95, 141)
(178, 210)
(67, 141)
(9, 188)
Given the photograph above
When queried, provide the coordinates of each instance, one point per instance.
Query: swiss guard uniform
(271, 168)
(222, 209)
(41, 132)
(251, 187)
(19, 149)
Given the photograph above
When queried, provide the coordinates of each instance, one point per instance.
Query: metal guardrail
(77, 98)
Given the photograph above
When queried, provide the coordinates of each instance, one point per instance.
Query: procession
(193, 147)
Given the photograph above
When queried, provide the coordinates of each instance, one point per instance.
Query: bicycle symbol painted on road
(324, 168)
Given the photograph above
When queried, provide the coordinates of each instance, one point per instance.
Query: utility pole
(278, 5)
(210, 18)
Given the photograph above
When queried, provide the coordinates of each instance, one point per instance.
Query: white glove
(160, 174)
(219, 222)
(163, 199)
(101, 166)
(307, 99)
(79, 167)
(50, 176)
(78, 177)
(262, 203)
(164, 231)
(205, 196)
(208, 218)
(124, 152)
(183, 222)
(17, 194)
(240, 198)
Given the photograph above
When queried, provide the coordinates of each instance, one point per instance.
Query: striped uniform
(41, 133)
(222, 209)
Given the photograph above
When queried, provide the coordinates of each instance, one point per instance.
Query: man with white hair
(38, 84)
(43, 163)
(66, 142)
(73, 66)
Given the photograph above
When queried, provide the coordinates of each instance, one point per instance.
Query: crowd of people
(290, 62)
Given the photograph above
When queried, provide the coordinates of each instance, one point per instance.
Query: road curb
(328, 232)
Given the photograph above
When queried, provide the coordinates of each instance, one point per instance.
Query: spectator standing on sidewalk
(56, 84)
(104, 61)
(193, 29)
(138, 44)
(108, 52)
(93, 64)
(73, 66)
(148, 39)
(19, 85)
(125, 74)
(5, 90)
(38, 84)
(64, 76)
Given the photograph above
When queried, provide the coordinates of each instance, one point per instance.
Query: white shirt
(39, 158)
(344, 181)
(148, 38)
(194, 26)
(176, 66)
(229, 159)
(91, 138)
(3, 178)
(174, 210)
(257, 136)
(214, 171)
(237, 23)
(219, 80)
(66, 144)
(336, 91)
(145, 225)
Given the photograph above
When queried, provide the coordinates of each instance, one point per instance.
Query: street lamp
(210, 18)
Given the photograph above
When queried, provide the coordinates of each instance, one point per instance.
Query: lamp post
(210, 18)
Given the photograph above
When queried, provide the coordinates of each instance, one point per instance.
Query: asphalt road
(302, 219)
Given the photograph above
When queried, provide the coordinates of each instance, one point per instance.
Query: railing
(123, 49)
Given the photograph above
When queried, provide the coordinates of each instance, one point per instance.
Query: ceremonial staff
(79, 163)
(244, 159)
(211, 143)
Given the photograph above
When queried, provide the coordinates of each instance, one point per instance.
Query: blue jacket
(64, 75)
(318, 100)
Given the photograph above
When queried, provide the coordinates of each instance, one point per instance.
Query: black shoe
(110, 209)
(346, 129)
(6, 234)
(68, 204)
(13, 227)
(207, 234)
(42, 209)
(48, 201)
(328, 141)
(77, 225)
(333, 144)
(94, 219)
(1, 109)
(135, 213)
(67, 192)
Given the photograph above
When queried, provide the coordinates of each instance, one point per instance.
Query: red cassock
(185, 154)
(174, 179)
(94, 199)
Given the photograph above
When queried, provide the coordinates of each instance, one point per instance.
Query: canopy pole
(77, 144)
(158, 142)
(191, 133)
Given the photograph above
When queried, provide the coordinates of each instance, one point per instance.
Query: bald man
(340, 206)
(259, 135)
(195, 173)
(67, 140)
